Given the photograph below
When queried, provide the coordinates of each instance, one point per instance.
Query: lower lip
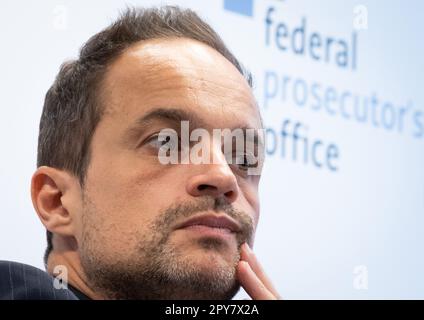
(209, 231)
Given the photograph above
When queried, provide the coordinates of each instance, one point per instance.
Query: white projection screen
(340, 88)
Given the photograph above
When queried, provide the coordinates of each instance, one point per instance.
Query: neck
(69, 260)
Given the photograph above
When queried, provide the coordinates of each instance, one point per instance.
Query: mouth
(211, 224)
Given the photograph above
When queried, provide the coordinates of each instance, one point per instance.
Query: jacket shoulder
(20, 281)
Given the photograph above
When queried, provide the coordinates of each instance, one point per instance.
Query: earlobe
(49, 187)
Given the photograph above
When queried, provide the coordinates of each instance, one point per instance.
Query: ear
(56, 196)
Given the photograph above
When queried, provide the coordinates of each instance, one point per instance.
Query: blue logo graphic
(244, 7)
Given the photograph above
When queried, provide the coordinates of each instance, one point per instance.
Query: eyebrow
(172, 116)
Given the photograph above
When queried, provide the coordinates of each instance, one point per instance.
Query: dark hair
(71, 112)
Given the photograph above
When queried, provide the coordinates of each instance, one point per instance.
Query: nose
(216, 180)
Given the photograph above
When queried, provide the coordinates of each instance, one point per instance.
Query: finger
(252, 284)
(249, 256)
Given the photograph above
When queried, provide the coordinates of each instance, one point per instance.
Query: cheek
(250, 192)
(113, 230)
(128, 200)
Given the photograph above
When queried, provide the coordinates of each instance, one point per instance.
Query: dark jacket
(23, 282)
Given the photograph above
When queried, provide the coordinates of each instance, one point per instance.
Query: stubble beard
(158, 269)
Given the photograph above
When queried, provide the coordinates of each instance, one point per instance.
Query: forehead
(178, 73)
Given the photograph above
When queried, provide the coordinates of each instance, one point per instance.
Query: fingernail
(244, 263)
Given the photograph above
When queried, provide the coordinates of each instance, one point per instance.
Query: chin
(211, 266)
(211, 251)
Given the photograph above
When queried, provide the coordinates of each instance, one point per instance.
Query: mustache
(183, 210)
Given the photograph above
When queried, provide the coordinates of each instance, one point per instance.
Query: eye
(244, 161)
(156, 142)
(164, 139)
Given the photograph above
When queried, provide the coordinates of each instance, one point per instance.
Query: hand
(252, 277)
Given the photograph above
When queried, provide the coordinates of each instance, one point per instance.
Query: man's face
(134, 240)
